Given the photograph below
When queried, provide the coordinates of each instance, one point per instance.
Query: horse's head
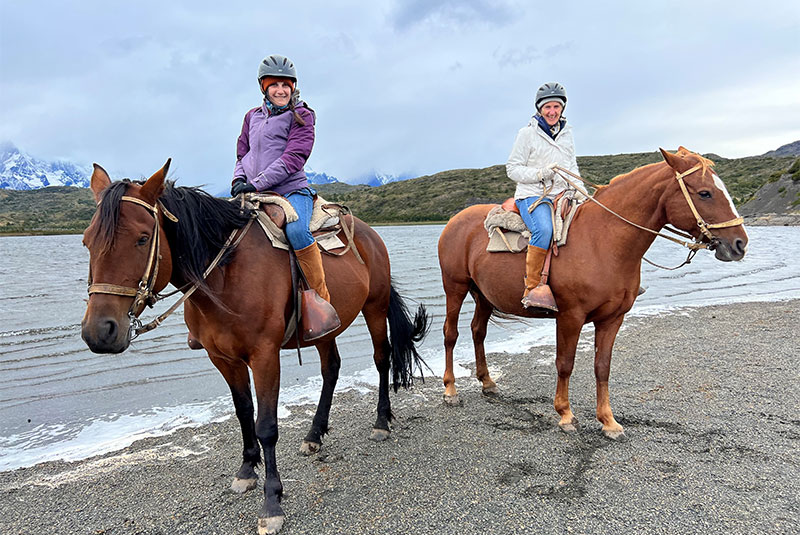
(702, 206)
(129, 259)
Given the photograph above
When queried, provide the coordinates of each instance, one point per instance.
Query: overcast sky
(400, 87)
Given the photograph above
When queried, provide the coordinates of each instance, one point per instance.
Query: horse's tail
(404, 334)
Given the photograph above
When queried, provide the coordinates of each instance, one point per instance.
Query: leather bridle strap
(702, 225)
(143, 293)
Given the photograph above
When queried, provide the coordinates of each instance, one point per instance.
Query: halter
(143, 295)
(704, 227)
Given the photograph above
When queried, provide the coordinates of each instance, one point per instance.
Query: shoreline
(708, 397)
(756, 220)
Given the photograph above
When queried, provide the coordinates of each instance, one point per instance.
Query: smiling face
(279, 93)
(551, 112)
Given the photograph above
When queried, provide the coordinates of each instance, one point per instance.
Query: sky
(399, 87)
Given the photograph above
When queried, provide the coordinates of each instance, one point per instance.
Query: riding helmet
(551, 92)
(277, 66)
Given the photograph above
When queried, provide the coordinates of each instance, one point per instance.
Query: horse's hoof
(379, 435)
(490, 391)
(569, 427)
(614, 434)
(240, 486)
(451, 400)
(268, 526)
(309, 448)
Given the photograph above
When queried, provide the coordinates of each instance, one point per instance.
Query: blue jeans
(297, 232)
(539, 222)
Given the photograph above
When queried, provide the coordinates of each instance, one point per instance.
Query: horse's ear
(154, 186)
(673, 160)
(683, 150)
(99, 182)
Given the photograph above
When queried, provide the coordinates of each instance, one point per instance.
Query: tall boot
(537, 295)
(318, 317)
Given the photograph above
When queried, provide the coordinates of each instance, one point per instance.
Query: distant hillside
(790, 149)
(438, 197)
(780, 195)
(425, 199)
(53, 210)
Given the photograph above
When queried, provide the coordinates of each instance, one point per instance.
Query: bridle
(143, 294)
(696, 243)
(701, 224)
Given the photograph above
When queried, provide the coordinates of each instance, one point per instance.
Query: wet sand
(709, 397)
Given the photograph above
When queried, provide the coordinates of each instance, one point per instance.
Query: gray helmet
(278, 66)
(550, 92)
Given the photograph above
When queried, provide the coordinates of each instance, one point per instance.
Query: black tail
(403, 334)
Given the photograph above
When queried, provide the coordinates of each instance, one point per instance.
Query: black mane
(204, 225)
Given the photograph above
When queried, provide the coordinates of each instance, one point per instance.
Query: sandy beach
(709, 398)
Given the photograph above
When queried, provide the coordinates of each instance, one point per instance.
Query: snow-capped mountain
(23, 172)
(376, 178)
(320, 178)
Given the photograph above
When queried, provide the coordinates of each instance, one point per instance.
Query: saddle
(328, 220)
(274, 211)
(508, 233)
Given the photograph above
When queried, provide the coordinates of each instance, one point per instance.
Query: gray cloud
(407, 14)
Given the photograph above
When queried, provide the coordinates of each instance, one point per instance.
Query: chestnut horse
(241, 309)
(595, 277)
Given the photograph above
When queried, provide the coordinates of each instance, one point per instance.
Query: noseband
(143, 295)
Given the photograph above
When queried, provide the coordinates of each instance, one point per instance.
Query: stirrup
(541, 298)
(318, 318)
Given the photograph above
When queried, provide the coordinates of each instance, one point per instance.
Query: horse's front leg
(266, 376)
(330, 362)
(604, 335)
(238, 379)
(568, 330)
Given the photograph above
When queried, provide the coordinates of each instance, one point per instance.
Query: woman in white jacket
(544, 143)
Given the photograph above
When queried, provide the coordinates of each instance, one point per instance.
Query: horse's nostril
(111, 329)
(739, 246)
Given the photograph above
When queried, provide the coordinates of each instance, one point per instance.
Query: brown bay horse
(595, 277)
(241, 309)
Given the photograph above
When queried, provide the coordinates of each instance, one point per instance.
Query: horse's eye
(704, 194)
(143, 240)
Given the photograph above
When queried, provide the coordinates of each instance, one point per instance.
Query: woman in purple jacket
(276, 140)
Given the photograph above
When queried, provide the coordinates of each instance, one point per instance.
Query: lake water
(60, 401)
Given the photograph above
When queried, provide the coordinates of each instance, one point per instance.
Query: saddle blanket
(508, 233)
(325, 221)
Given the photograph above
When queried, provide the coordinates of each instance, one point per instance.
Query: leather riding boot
(537, 295)
(318, 317)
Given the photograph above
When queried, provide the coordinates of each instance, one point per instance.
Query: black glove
(240, 186)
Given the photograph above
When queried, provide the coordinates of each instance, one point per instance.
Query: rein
(143, 295)
(704, 227)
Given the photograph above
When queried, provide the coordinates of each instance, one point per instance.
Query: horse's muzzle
(729, 251)
(105, 335)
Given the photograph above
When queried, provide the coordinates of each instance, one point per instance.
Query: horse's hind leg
(455, 293)
(483, 310)
(375, 317)
(330, 362)
(238, 379)
(604, 336)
